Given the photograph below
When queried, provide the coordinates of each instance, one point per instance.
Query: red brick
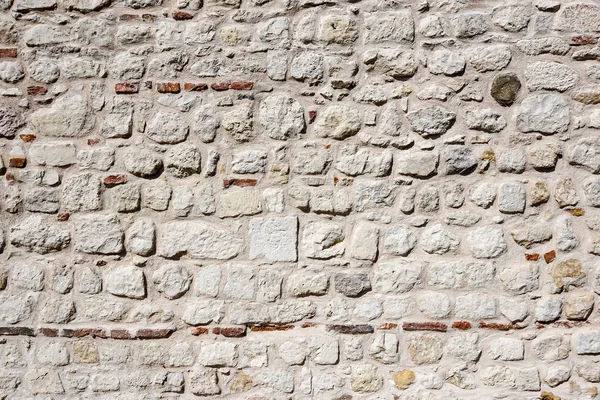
(549, 256)
(312, 114)
(10, 177)
(168, 87)
(16, 331)
(36, 90)
(270, 328)
(239, 182)
(532, 256)
(580, 40)
(424, 326)
(386, 326)
(233, 332)
(93, 142)
(308, 325)
(220, 86)
(153, 333)
(27, 137)
(242, 85)
(9, 52)
(351, 329)
(194, 87)
(121, 334)
(49, 332)
(114, 180)
(17, 162)
(92, 332)
(62, 217)
(199, 331)
(462, 325)
(127, 88)
(181, 15)
(499, 327)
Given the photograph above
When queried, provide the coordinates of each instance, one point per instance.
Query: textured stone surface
(315, 199)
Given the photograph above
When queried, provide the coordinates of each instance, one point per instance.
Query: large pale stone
(396, 276)
(281, 116)
(276, 239)
(545, 113)
(69, 116)
(98, 234)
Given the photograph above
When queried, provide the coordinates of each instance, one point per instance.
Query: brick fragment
(114, 180)
(17, 162)
(238, 182)
(199, 331)
(498, 326)
(36, 90)
(424, 326)
(168, 87)
(10, 52)
(220, 86)
(270, 328)
(181, 15)
(312, 114)
(121, 334)
(127, 88)
(351, 329)
(532, 256)
(62, 217)
(92, 332)
(234, 332)
(93, 142)
(549, 256)
(386, 326)
(581, 40)
(49, 332)
(242, 85)
(16, 331)
(308, 325)
(461, 325)
(194, 87)
(153, 333)
(27, 137)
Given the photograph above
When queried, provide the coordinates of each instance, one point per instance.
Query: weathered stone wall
(299, 199)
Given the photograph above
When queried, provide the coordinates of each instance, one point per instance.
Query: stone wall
(299, 199)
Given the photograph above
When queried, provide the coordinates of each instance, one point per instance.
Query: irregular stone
(373, 194)
(566, 275)
(420, 164)
(126, 281)
(397, 62)
(274, 238)
(36, 233)
(565, 193)
(396, 276)
(172, 280)
(425, 349)
(167, 128)
(238, 201)
(550, 76)
(197, 239)
(543, 45)
(282, 117)
(447, 62)
(512, 17)
(352, 285)
(529, 234)
(249, 162)
(507, 349)
(395, 26)
(580, 17)
(551, 347)
(520, 279)
(437, 240)
(505, 87)
(431, 121)
(44, 71)
(338, 122)
(487, 242)
(339, 29)
(98, 234)
(490, 58)
(365, 378)
(544, 113)
(141, 162)
(470, 24)
(459, 159)
(181, 160)
(586, 153)
(512, 161)
(69, 116)
(322, 240)
(483, 195)
(511, 198)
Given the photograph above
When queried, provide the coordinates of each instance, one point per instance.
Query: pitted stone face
(311, 199)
